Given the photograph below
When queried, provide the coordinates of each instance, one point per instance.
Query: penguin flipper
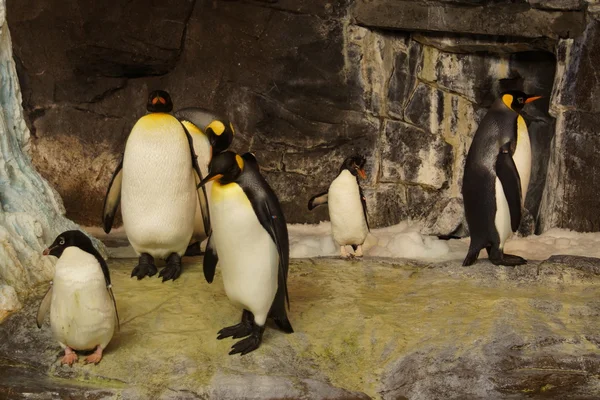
(112, 297)
(44, 307)
(318, 200)
(201, 190)
(211, 258)
(112, 198)
(507, 172)
(363, 200)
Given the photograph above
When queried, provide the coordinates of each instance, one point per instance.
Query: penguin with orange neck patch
(250, 242)
(496, 178)
(156, 186)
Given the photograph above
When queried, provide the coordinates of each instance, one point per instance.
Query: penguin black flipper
(270, 215)
(363, 200)
(112, 198)
(506, 170)
(44, 307)
(318, 200)
(202, 198)
(209, 264)
(106, 274)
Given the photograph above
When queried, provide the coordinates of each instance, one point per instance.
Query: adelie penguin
(250, 242)
(83, 311)
(156, 185)
(211, 134)
(496, 178)
(347, 206)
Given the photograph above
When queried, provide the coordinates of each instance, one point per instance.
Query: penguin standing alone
(83, 311)
(211, 134)
(496, 178)
(250, 242)
(347, 206)
(156, 185)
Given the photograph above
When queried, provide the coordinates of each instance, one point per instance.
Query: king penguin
(347, 206)
(211, 134)
(496, 178)
(156, 185)
(83, 311)
(250, 242)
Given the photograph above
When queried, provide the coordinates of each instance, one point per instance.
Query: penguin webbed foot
(250, 343)
(173, 268)
(193, 250)
(95, 357)
(69, 358)
(145, 267)
(509, 260)
(243, 329)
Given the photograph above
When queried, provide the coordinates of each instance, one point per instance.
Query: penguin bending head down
(250, 242)
(83, 311)
(156, 185)
(347, 206)
(202, 126)
(496, 178)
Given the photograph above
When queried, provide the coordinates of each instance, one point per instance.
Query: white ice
(405, 241)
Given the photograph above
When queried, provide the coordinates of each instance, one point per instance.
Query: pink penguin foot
(95, 357)
(69, 358)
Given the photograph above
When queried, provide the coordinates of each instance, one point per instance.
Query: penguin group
(178, 184)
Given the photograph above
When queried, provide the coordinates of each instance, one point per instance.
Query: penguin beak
(362, 173)
(47, 251)
(532, 99)
(209, 177)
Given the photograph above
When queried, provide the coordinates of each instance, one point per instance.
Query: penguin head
(356, 165)
(224, 167)
(220, 135)
(516, 100)
(159, 101)
(67, 239)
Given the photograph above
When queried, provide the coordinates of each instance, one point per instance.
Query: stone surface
(31, 212)
(508, 19)
(415, 330)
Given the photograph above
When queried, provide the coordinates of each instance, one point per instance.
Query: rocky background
(307, 83)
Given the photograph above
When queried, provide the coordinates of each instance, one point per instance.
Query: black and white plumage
(83, 310)
(347, 206)
(496, 178)
(156, 186)
(250, 242)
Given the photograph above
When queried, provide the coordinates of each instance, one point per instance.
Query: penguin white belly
(346, 211)
(158, 195)
(248, 257)
(522, 156)
(202, 150)
(502, 218)
(82, 315)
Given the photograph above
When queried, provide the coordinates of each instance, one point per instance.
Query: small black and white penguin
(347, 206)
(83, 311)
(156, 185)
(203, 125)
(250, 242)
(496, 178)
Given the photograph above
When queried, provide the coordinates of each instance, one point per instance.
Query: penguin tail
(284, 324)
(471, 256)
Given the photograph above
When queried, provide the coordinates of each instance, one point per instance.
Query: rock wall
(307, 83)
(31, 212)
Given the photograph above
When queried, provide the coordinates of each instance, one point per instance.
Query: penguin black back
(159, 101)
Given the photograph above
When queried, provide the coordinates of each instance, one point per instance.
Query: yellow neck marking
(191, 128)
(240, 161)
(521, 127)
(217, 126)
(231, 191)
(507, 99)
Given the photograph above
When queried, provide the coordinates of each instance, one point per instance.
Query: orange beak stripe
(529, 100)
(362, 173)
(154, 101)
(163, 101)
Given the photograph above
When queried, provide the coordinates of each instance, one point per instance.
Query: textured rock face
(363, 329)
(306, 84)
(31, 212)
